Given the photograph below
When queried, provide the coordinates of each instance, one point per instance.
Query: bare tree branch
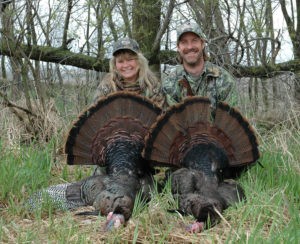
(66, 57)
(65, 42)
(164, 26)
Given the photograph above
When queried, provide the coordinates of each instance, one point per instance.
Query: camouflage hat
(126, 43)
(190, 27)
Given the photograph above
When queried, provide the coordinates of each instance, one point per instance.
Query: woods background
(54, 53)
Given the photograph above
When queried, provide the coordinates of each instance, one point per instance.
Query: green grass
(23, 169)
(271, 213)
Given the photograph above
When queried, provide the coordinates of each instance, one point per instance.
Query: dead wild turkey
(187, 136)
(110, 133)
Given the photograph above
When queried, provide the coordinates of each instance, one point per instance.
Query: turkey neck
(124, 157)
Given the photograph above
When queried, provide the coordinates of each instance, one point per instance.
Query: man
(196, 75)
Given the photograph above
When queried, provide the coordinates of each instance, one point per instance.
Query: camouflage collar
(209, 70)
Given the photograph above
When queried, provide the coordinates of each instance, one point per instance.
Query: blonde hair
(146, 78)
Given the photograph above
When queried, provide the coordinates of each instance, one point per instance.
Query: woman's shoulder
(105, 87)
(107, 79)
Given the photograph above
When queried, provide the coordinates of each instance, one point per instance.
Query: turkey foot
(196, 227)
(114, 221)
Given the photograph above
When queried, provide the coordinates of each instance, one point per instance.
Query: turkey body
(109, 193)
(203, 196)
(201, 144)
(106, 193)
(199, 186)
(127, 174)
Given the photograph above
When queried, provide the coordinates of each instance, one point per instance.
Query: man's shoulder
(213, 69)
(174, 74)
(217, 71)
(170, 82)
(176, 71)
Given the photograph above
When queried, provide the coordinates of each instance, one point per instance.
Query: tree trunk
(145, 22)
(66, 26)
(297, 87)
(295, 38)
(32, 38)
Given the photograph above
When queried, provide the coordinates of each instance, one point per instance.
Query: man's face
(190, 48)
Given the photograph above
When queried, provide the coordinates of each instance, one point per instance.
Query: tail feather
(192, 123)
(169, 125)
(240, 133)
(99, 123)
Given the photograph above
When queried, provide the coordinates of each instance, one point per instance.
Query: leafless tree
(40, 39)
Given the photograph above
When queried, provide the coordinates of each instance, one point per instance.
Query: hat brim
(190, 31)
(123, 49)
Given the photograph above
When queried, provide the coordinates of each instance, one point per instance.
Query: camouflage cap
(190, 27)
(126, 43)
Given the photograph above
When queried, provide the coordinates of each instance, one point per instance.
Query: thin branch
(65, 42)
(10, 104)
(164, 26)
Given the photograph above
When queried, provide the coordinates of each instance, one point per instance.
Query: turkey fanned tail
(187, 135)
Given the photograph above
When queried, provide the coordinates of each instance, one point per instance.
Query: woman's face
(127, 66)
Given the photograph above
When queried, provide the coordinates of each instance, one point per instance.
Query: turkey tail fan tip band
(240, 133)
(115, 115)
(193, 122)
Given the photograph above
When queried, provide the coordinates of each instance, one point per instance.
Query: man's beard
(195, 62)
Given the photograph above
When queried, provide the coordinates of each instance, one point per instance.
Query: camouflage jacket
(107, 86)
(215, 83)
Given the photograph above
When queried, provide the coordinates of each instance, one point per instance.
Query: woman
(129, 71)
